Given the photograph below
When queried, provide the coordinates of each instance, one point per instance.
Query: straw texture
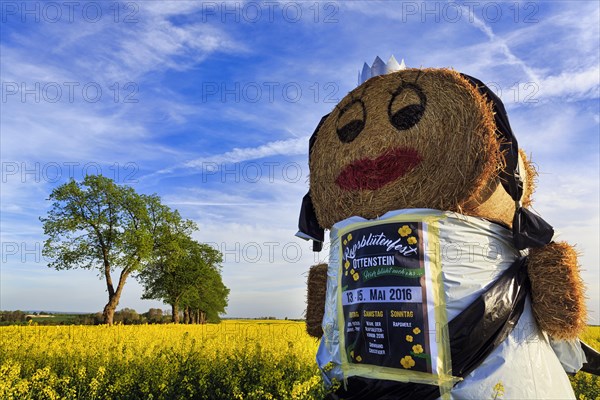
(315, 299)
(557, 290)
(494, 203)
(431, 134)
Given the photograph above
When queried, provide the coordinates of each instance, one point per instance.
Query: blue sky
(210, 105)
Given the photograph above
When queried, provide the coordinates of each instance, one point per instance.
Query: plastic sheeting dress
(472, 252)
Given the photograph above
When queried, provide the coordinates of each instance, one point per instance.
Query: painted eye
(404, 116)
(351, 121)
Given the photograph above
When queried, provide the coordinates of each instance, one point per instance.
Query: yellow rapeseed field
(232, 360)
(587, 386)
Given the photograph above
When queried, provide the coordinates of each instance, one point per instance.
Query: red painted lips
(373, 174)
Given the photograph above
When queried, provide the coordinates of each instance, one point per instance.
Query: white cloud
(100, 54)
(279, 147)
(580, 84)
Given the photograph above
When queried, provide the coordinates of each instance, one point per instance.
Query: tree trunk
(202, 317)
(113, 297)
(174, 313)
(108, 314)
(186, 315)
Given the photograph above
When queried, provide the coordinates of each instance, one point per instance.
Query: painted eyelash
(392, 92)
(419, 72)
(339, 109)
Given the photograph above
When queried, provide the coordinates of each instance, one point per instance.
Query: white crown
(379, 68)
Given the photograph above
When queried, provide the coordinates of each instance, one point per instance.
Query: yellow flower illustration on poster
(412, 240)
(416, 331)
(405, 231)
(409, 338)
(407, 362)
(417, 349)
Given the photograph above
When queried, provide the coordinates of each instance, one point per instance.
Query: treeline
(125, 316)
(8, 317)
(97, 224)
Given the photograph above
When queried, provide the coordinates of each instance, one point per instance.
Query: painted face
(410, 139)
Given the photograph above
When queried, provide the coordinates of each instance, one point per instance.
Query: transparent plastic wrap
(473, 253)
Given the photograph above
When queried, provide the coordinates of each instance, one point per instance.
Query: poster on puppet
(385, 292)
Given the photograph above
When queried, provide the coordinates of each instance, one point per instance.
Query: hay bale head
(413, 138)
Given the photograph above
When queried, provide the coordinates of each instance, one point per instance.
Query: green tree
(127, 316)
(206, 300)
(183, 266)
(154, 316)
(164, 278)
(97, 224)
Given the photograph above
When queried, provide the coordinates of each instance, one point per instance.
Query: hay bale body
(315, 299)
(557, 290)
